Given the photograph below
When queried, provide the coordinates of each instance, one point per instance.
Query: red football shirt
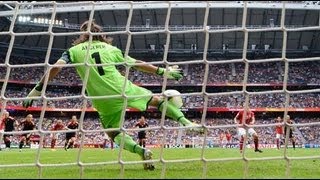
(57, 127)
(249, 117)
(279, 129)
(228, 136)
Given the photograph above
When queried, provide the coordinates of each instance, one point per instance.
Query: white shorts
(242, 131)
(54, 135)
(279, 136)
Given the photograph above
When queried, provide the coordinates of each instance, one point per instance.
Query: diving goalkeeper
(107, 80)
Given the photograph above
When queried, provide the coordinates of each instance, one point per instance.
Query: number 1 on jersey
(96, 57)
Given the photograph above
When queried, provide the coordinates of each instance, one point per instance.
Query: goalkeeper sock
(174, 113)
(129, 144)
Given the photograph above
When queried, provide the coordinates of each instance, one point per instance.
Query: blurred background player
(9, 125)
(1, 128)
(71, 136)
(249, 120)
(228, 138)
(290, 129)
(142, 134)
(27, 125)
(56, 127)
(221, 138)
(106, 139)
(279, 132)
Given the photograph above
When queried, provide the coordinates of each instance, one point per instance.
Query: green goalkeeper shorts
(113, 120)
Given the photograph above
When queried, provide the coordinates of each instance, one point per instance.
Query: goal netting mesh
(48, 23)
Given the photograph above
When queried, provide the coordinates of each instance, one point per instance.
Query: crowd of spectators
(311, 133)
(72, 99)
(267, 72)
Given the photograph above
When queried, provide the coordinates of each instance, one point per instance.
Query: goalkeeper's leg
(174, 113)
(156, 101)
(112, 121)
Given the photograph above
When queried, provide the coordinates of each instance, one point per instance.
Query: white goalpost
(16, 11)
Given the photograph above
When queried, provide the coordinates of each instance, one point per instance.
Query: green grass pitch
(232, 168)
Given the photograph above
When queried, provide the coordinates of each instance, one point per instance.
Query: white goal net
(221, 42)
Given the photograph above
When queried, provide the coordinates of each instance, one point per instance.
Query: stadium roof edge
(125, 5)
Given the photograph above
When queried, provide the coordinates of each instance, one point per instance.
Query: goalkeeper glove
(173, 72)
(36, 91)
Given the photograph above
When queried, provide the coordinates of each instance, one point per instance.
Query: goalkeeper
(107, 80)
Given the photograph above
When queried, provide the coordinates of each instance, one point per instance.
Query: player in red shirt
(228, 137)
(56, 127)
(250, 120)
(279, 132)
(221, 138)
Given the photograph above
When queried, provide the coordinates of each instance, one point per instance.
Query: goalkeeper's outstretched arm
(36, 91)
(145, 67)
(172, 73)
(53, 71)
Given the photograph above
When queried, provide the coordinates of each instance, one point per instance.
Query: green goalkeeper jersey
(106, 80)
